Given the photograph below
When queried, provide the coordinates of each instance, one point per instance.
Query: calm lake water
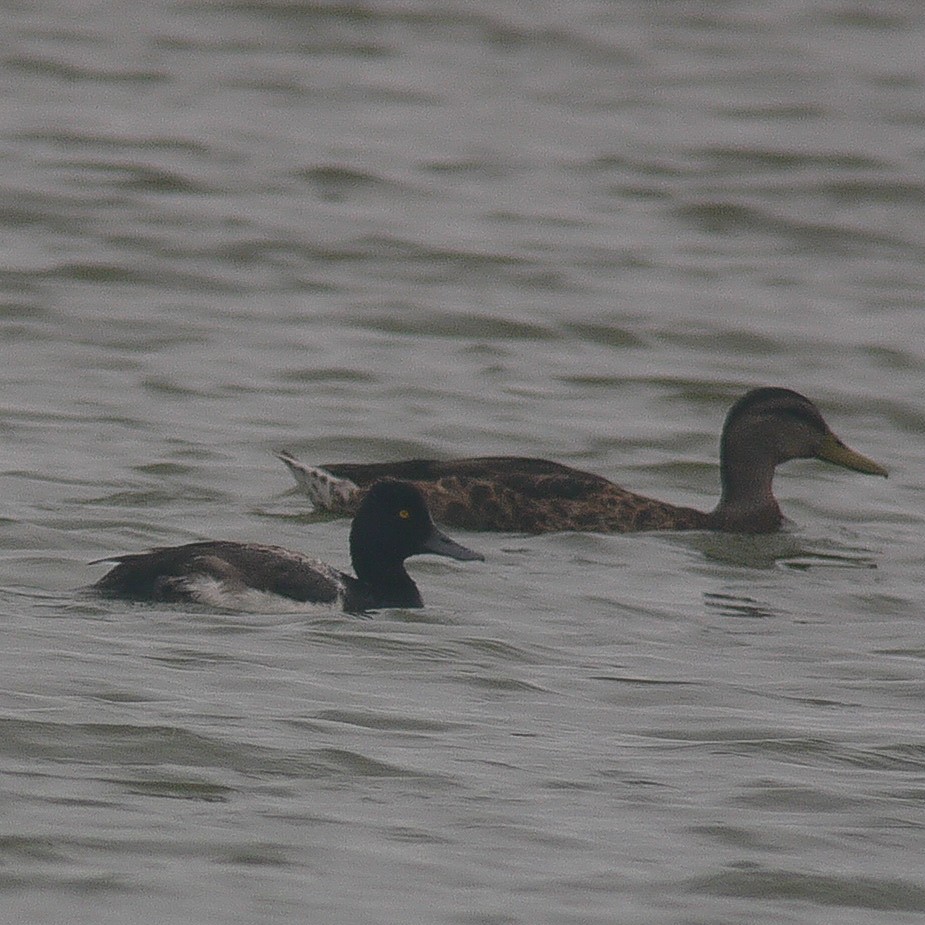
(373, 230)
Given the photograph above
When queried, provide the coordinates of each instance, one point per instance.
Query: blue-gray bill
(439, 544)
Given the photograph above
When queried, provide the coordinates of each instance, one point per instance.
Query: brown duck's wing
(485, 468)
(164, 574)
(525, 495)
(547, 503)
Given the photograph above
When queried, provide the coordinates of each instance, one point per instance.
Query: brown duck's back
(546, 504)
(509, 494)
(489, 468)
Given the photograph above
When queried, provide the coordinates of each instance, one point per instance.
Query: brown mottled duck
(764, 428)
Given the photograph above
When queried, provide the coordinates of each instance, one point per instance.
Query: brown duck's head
(764, 428)
(774, 425)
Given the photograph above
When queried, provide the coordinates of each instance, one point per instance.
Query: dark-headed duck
(392, 522)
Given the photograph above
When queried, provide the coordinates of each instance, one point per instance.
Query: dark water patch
(16, 848)
(734, 837)
(656, 165)
(902, 756)
(103, 273)
(338, 184)
(118, 745)
(498, 684)
(915, 796)
(913, 610)
(818, 752)
(895, 358)
(90, 885)
(332, 375)
(636, 681)
(317, 43)
(298, 518)
(742, 342)
(164, 469)
(138, 342)
(415, 836)
(787, 161)
(865, 17)
(165, 387)
(732, 218)
(114, 744)
(191, 659)
(146, 179)
(814, 560)
(783, 550)
(429, 649)
(597, 381)
(312, 727)
(141, 498)
(23, 311)
(466, 327)
(70, 141)
(778, 797)
(68, 72)
(175, 789)
(733, 736)
(568, 786)
(378, 94)
(516, 220)
(365, 23)
(498, 649)
(386, 247)
(30, 212)
(341, 761)
(875, 189)
(604, 334)
(53, 479)
(157, 277)
(263, 855)
(782, 111)
(113, 696)
(389, 722)
(856, 891)
(735, 605)
(155, 497)
(479, 170)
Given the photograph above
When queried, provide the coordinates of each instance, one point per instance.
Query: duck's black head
(393, 523)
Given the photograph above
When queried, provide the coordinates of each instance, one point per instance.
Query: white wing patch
(222, 595)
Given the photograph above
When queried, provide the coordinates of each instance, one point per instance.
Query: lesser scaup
(392, 523)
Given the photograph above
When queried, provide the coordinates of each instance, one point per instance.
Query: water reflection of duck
(764, 428)
(391, 524)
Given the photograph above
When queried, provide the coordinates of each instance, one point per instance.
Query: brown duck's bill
(834, 451)
(439, 544)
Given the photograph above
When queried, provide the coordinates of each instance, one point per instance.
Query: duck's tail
(326, 491)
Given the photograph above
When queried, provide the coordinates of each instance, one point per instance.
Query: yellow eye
(404, 513)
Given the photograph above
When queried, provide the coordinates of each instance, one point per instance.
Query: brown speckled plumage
(530, 496)
(764, 428)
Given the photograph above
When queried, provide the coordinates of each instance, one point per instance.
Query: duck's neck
(747, 503)
(386, 585)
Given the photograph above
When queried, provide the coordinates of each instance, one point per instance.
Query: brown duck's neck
(747, 503)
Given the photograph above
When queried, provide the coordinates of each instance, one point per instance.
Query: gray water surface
(371, 231)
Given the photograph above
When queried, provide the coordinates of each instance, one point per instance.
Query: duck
(392, 523)
(764, 428)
